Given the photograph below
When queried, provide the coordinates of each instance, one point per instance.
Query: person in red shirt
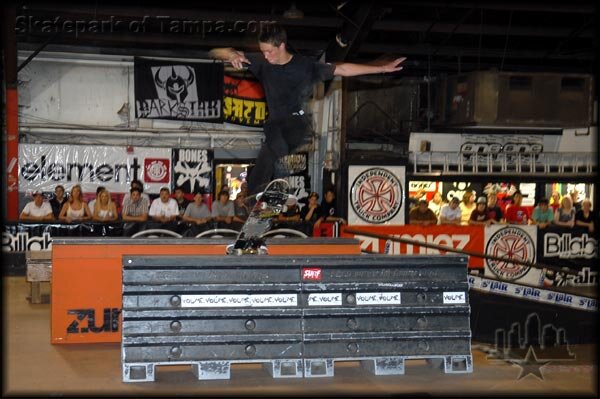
(515, 212)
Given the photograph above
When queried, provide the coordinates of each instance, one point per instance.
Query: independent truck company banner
(43, 166)
(376, 195)
(178, 90)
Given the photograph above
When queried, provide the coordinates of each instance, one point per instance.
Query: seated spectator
(105, 209)
(329, 211)
(451, 213)
(140, 186)
(92, 203)
(467, 206)
(290, 218)
(585, 217)
(182, 202)
(542, 215)
(38, 209)
(240, 209)
(422, 215)
(223, 210)
(197, 214)
(494, 211)
(164, 210)
(135, 212)
(516, 213)
(58, 201)
(436, 203)
(565, 215)
(310, 213)
(480, 214)
(75, 209)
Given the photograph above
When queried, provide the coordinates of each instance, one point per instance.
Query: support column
(9, 42)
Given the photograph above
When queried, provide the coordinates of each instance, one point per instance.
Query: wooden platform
(33, 366)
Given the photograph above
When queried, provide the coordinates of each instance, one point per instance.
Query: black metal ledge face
(198, 241)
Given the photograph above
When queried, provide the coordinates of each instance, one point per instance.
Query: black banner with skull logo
(178, 90)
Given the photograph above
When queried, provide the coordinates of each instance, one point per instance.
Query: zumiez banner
(43, 166)
(178, 90)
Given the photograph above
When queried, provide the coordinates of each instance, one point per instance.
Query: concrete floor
(32, 366)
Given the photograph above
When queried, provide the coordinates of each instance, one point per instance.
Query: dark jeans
(282, 136)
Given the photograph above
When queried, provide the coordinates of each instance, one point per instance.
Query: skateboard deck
(269, 204)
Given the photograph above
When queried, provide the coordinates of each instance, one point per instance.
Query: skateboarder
(287, 80)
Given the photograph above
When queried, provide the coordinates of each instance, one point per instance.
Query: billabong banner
(178, 90)
(244, 102)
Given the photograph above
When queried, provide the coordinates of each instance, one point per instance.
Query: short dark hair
(179, 188)
(224, 192)
(137, 183)
(132, 189)
(272, 33)
(543, 200)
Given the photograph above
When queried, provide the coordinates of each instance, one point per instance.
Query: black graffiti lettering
(85, 321)
(73, 171)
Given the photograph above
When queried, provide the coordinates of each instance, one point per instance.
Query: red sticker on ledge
(311, 273)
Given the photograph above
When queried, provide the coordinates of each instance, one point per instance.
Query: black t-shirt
(581, 217)
(315, 215)
(328, 209)
(288, 86)
(495, 213)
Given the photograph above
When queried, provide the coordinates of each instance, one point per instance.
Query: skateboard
(269, 204)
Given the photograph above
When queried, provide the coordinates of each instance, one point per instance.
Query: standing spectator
(467, 206)
(75, 209)
(451, 213)
(58, 201)
(422, 215)
(436, 204)
(37, 210)
(310, 213)
(585, 217)
(574, 199)
(542, 215)
(197, 214)
(164, 210)
(329, 211)
(565, 215)
(92, 203)
(480, 214)
(516, 213)
(182, 202)
(135, 212)
(494, 211)
(105, 209)
(223, 210)
(555, 201)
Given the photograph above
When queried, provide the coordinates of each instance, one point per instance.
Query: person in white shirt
(163, 208)
(451, 213)
(38, 209)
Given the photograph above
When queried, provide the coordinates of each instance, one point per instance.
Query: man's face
(59, 192)
(178, 194)
(223, 199)
(198, 199)
(135, 196)
(454, 204)
(329, 196)
(422, 207)
(313, 200)
(543, 206)
(38, 199)
(273, 54)
(164, 195)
